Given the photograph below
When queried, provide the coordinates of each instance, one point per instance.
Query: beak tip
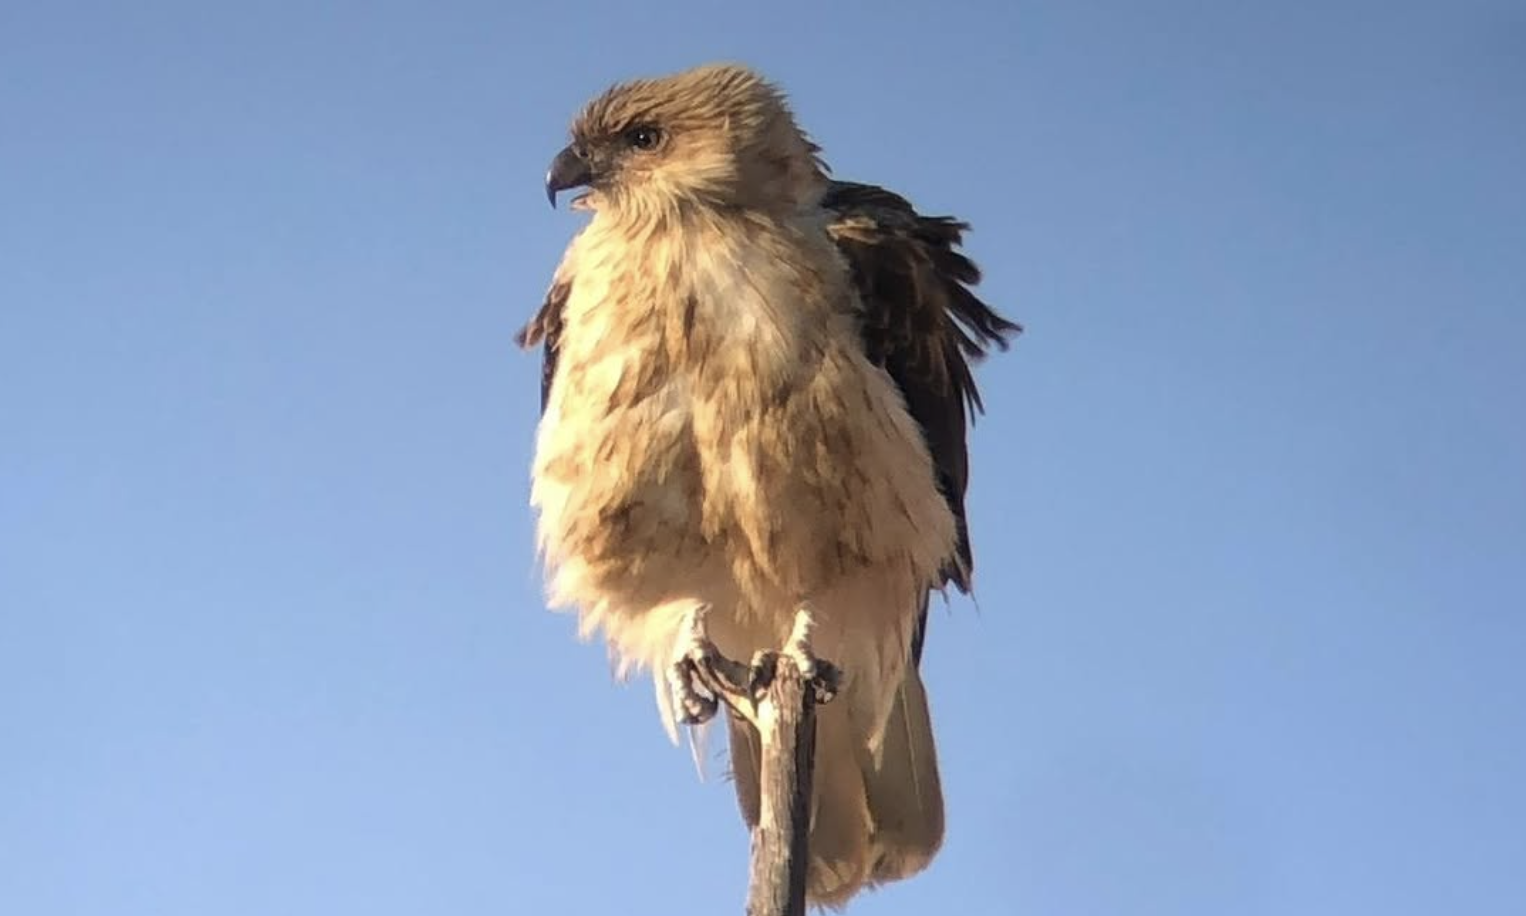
(568, 170)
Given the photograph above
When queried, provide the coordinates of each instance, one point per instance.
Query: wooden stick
(787, 725)
(779, 699)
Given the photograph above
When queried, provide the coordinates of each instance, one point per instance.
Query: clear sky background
(1249, 504)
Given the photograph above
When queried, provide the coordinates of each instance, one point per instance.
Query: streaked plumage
(755, 390)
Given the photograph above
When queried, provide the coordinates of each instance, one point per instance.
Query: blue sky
(1248, 507)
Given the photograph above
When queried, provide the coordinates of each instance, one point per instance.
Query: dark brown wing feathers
(922, 323)
(546, 329)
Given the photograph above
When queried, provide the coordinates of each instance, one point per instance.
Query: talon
(825, 681)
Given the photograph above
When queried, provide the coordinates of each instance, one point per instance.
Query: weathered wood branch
(786, 719)
(778, 694)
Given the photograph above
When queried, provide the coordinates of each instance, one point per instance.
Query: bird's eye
(643, 137)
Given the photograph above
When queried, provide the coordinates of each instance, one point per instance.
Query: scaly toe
(695, 703)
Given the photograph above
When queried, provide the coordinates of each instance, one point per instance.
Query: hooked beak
(568, 170)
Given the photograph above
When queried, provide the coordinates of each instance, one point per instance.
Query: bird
(755, 386)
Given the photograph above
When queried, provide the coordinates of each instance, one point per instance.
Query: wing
(923, 323)
(545, 329)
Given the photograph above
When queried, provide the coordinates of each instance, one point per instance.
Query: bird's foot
(701, 677)
(822, 676)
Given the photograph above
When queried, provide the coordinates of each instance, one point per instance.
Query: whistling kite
(756, 383)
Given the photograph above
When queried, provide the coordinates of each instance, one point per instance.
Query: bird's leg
(692, 697)
(821, 674)
(701, 677)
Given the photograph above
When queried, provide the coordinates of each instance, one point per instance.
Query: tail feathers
(905, 793)
(873, 821)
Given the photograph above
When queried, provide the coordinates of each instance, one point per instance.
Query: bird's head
(715, 136)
